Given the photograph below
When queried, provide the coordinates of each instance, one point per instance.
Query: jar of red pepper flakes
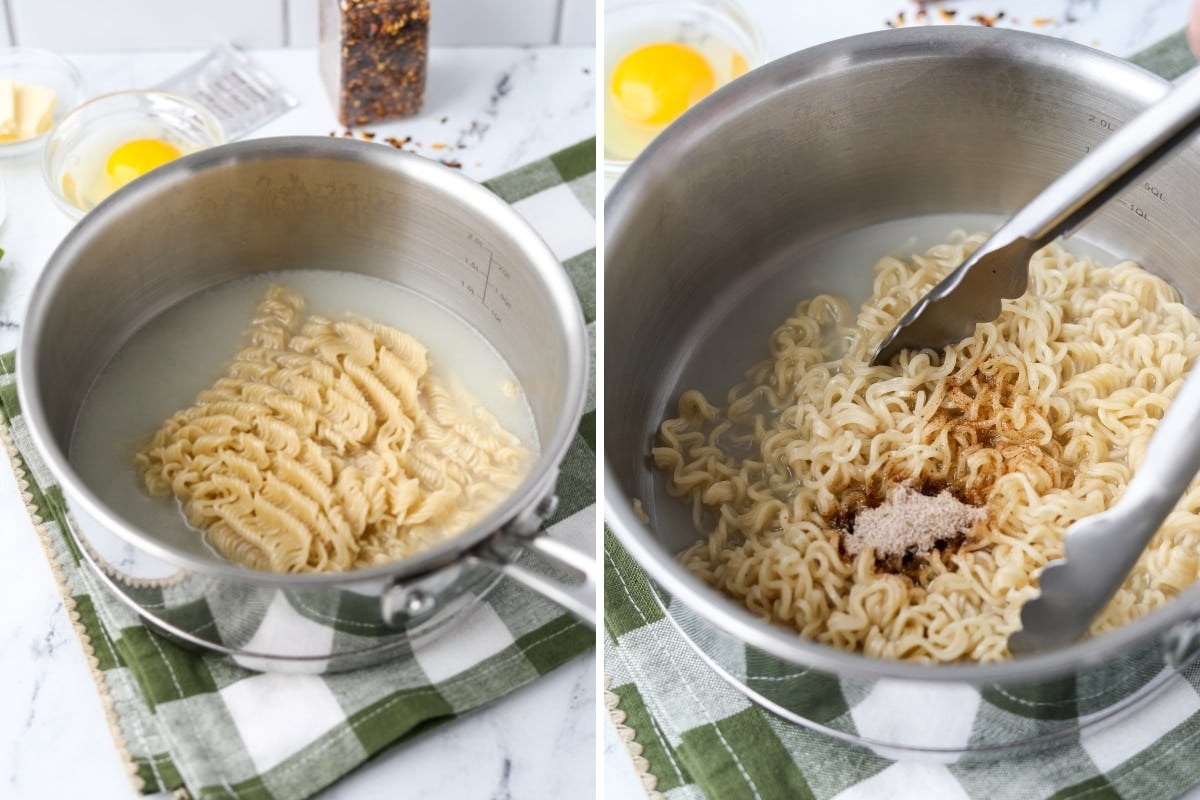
(373, 56)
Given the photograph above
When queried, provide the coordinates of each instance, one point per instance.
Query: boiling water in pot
(183, 351)
(734, 334)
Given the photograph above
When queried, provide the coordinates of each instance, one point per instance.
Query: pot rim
(724, 107)
(542, 474)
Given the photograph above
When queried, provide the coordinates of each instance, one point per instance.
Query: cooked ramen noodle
(328, 445)
(1038, 419)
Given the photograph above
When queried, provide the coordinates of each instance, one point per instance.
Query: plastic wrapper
(240, 93)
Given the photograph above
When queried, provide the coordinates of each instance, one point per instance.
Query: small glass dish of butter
(113, 139)
(37, 89)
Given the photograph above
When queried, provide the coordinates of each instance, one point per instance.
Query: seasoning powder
(911, 522)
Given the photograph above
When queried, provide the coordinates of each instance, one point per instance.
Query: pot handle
(579, 597)
(524, 534)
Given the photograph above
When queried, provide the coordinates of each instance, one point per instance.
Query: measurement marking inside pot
(487, 278)
(484, 272)
(1106, 127)
(491, 291)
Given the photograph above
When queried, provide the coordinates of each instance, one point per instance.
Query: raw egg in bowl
(114, 139)
(661, 57)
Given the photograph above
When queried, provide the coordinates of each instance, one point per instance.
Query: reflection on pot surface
(877, 147)
(955, 721)
(274, 628)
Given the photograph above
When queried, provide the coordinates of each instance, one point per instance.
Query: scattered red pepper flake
(1041, 22)
(923, 14)
(986, 21)
(402, 144)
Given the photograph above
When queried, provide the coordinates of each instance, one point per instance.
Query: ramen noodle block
(905, 511)
(328, 445)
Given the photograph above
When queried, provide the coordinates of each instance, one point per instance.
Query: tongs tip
(971, 294)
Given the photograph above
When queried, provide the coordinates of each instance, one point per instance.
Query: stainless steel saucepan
(316, 203)
(709, 231)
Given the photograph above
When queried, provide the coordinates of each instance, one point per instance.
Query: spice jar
(373, 55)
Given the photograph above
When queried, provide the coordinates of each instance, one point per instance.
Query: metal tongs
(1100, 550)
(1000, 267)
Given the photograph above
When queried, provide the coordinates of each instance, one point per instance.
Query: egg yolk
(656, 83)
(134, 159)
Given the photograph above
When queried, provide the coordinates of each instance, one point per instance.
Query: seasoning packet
(239, 92)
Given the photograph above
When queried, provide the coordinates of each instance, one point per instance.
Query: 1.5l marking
(1148, 187)
(490, 293)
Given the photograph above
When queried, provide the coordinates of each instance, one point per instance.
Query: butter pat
(35, 109)
(26, 110)
(8, 111)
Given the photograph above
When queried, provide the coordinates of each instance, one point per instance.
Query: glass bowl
(80, 146)
(718, 30)
(43, 68)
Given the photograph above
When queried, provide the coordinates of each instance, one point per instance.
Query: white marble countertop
(1115, 26)
(508, 106)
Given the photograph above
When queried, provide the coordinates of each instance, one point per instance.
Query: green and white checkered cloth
(697, 737)
(196, 725)
(693, 736)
